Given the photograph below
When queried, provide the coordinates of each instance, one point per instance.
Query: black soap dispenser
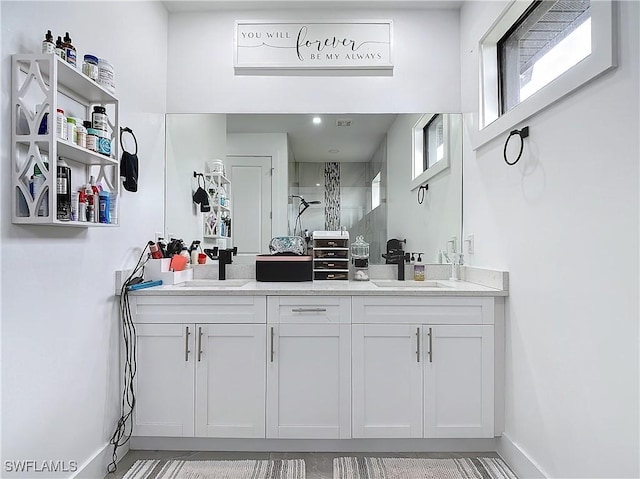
(418, 269)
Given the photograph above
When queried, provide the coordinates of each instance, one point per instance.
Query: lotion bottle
(418, 269)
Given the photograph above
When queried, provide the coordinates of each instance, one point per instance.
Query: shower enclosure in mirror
(345, 171)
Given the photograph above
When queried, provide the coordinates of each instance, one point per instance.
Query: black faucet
(225, 257)
(399, 258)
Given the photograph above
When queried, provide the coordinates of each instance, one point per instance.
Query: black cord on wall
(124, 427)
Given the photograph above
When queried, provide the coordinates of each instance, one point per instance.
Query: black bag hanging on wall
(129, 164)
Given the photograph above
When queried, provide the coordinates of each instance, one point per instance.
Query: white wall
(191, 141)
(564, 223)
(60, 339)
(428, 226)
(426, 75)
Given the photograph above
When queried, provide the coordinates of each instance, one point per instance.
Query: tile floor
(319, 465)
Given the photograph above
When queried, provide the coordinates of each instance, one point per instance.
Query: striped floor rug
(246, 469)
(419, 468)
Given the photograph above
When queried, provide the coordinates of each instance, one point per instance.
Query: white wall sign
(348, 45)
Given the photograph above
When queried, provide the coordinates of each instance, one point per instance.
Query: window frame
(492, 123)
(377, 180)
(425, 140)
(418, 146)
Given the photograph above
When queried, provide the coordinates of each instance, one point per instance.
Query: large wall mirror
(297, 173)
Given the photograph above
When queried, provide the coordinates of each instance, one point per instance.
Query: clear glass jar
(360, 259)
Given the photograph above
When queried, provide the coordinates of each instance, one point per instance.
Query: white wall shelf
(211, 228)
(42, 83)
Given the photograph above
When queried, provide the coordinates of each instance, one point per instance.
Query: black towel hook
(422, 190)
(524, 133)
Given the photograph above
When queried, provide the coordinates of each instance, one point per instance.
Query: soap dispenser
(418, 269)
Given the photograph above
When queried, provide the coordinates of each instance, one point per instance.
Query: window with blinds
(547, 40)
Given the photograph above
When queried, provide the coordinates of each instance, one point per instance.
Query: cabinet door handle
(309, 310)
(272, 335)
(199, 343)
(418, 343)
(186, 345)
(430, 345)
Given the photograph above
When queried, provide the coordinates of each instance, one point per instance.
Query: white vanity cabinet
(309, 367)
(230, 380)
(423, 367)
(201, 366)
(333, 366)
(165, 381)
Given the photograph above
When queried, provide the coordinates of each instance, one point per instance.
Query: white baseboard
(518, 460)
(313, 445)
(96, 466)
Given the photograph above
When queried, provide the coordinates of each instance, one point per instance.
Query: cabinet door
(230, 380)
(309, 381)
(458, 381)
(387, 381)
(164, 383)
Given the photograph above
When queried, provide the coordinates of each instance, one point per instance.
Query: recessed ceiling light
(317, 184)
(333, 151)
(317, 120)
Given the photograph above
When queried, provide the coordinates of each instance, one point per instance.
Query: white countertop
(234, 287)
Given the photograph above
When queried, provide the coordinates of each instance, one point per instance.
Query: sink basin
(394, 283)
(215, 283)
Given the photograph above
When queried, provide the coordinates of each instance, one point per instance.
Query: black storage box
(283, 268)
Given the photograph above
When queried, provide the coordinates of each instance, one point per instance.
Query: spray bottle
(194, 249)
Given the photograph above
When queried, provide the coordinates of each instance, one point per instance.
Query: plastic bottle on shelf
(81, 135)
(61, 124)
(113, 211)
(69, 50)
(47, 44)
(106, 75)
(88, 194)
(37, 183)
(72, 132)
(60, 51)
(99, 119)
(96, 189)
(90, 67)
(82, 206)
(222, 196)
(75, 205)
(104, 200)
(63, 191)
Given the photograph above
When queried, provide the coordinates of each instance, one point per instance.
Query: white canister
(216, 166)
(106, 75)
